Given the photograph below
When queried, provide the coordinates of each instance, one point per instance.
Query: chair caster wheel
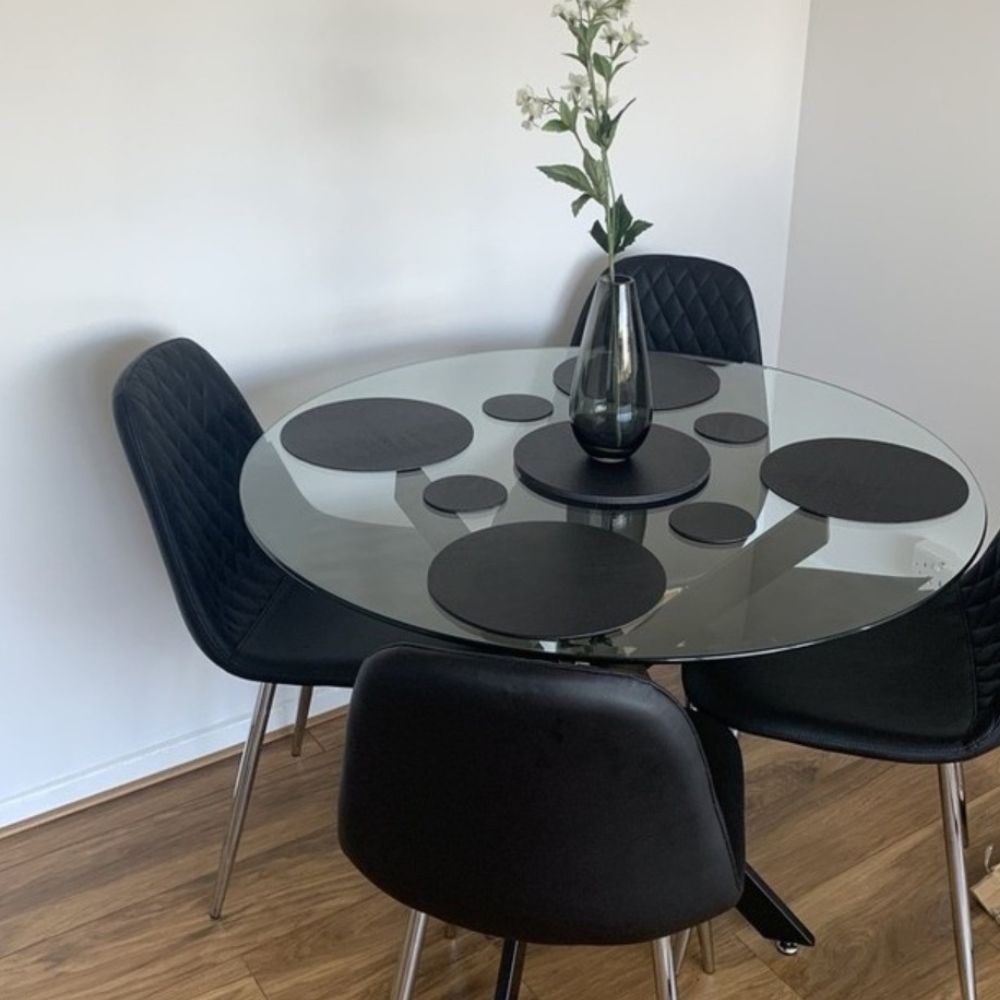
(787, 948)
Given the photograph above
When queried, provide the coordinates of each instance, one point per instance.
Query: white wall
(894, 266)
(310, 188)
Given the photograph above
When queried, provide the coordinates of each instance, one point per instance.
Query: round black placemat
(518, 408)
(464, 494)
(677, 382)
(376, 435)
(669, 466)
(546, 580)
(862, 480)
(731, 428)
(713, 523)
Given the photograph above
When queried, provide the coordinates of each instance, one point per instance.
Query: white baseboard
(155, 759)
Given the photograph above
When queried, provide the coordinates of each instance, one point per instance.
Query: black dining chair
(691, 306)
(919, 689)
(538, 803)
(186, 430)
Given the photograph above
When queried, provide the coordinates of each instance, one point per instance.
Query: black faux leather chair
(538, 803)
(186, 430)
(920, 689)
(692, 306)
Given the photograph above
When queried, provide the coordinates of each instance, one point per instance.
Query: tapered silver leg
(706, 945)
(409, 959)
(965, 812)
(961, 916)
(679, 943)
(663, 964)
(241, 796)
(301, 718)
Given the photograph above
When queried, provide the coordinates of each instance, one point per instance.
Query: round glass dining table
(369, 538)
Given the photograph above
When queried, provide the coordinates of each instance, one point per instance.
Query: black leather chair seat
(305, 637)
(904, 691)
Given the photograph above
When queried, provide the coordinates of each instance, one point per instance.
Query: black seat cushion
(304, 636)
(693, 306)
(905, 690)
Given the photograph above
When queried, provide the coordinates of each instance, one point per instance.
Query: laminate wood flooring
(111, 903)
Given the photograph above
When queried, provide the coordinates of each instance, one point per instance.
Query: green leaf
(590, 36)
(623, 217)
(565, 174)
(618, 117)
(568, 115)
(604, 66)
(556, 126)
(634, 232)
(579, 203)
(575, 58)
(597, 175)
(594, 131)
(600, 236)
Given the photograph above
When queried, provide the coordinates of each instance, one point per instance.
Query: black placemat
(667, 467)
(731, 428)
(518, 408)
(861, 480)
(677, 382)
(546, 580)
(464, 494)
(713, 523)
(376, 435)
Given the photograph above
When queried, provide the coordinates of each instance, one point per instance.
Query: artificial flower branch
(588, 102)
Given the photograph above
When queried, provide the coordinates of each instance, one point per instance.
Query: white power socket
(933, 562)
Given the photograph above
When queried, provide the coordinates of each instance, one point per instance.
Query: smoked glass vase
(611, 400)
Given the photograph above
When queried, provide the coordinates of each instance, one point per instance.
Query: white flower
(612, 34)
(631, 38)
(578, 88)
(531, 105)
(566, 11)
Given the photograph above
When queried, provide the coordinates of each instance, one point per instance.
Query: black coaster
(713, 523)
(860, 480)
(668, 467)
(546, 580)
(518, 408)
(376, 435)
(731, 428)
(464, 494)
(677, 382)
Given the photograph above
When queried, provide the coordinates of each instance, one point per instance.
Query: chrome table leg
(511, 967)
(961, 916)
(241, 797)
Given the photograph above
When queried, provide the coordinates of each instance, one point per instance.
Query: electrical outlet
(933, 563)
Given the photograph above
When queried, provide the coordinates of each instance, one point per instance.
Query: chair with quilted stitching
(186, 430)
(691, 306)
(922, 688)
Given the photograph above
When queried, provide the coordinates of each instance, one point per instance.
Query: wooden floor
(112, 902)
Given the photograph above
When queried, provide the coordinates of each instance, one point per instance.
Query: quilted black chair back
(980, 590)
(691, 306)
(539, 803)
(186, 430)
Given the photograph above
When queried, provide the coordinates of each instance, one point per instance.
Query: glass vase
(611, 400)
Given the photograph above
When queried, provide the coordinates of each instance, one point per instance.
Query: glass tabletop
(368, 538)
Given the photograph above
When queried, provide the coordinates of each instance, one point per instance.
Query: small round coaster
(731, 428)
(677, 382)
(518, 408)
(860, 480)
(667, 467)
(713, 523)
(546, 580)
(376, 435)
(464, 494)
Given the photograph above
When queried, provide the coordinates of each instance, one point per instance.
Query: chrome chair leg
(409, 959)
(663, 965)
(706, 945)
(965, 813)
(510, 971)
(961, 916)
(241, 797)
(301, 718)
